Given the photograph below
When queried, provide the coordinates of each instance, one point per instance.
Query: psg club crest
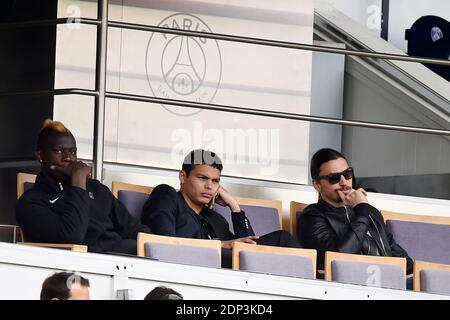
(436, 34)
(181, 67)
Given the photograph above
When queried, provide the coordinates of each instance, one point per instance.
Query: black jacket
(64, 214)
(167, 213)
(325, 228)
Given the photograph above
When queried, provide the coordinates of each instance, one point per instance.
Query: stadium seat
(198, 252)
(425, 238)
(264, 215)
(376, 271)
(65, 246)
(432, 277)
(11, 232)
(132, 196)
(296, 209)
(291, 262)
(25, 181)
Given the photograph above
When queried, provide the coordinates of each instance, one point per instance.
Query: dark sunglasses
(334, 178)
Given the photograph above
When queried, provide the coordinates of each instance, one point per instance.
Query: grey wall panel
(327, 96)
(427, 186)
(370, 96)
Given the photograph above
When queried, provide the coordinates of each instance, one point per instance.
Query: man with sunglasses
(343, 220)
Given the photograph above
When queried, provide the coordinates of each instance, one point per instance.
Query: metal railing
(101, 94)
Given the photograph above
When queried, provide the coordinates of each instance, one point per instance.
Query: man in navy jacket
(188, 213)
(66, 206)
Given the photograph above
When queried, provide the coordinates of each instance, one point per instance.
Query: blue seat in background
(264, 215)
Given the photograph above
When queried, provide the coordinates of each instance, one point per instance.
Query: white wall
(251, 76)
(365, 12)
(327, 99)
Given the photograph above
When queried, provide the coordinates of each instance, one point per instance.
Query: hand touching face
(225, 199)
(351, 197)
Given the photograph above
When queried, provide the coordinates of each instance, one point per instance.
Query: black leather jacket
(325, 228)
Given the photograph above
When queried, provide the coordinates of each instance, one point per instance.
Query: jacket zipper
(379, 235)
(346, 213)
(382, 244)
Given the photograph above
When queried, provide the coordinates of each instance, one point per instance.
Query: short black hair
(58, 285)
(163, 293)
(320, 157)
(200, 156)
(49, 128)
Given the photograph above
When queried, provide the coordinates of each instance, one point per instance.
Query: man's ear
(182, 176)
(316, 185)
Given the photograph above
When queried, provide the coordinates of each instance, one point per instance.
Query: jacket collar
(328, 206)
(186, 205)
(339, 213)
(45, 184)
(204, 212)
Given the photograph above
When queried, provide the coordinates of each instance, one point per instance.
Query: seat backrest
(11, 233)
(296, 209)
(25, 181)
(117, 186)
(432, 277)
(264, 215)
(63, 246)
(198, 252)
(375, 271)
(132, 196)
(423, 237)
(133, 201)
(291, 262)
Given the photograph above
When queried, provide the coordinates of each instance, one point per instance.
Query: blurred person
(163, 293)
(65, 286)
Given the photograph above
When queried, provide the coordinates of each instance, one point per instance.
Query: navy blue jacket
(167, 213)
(92, 217)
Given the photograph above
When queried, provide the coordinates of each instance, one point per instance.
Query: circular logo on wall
(436, 34)
(181, 67)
